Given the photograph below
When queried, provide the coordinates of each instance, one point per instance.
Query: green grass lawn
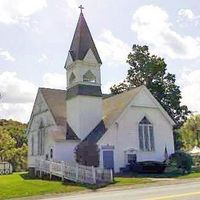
(193, 174)
(19, 185)
(119, 181)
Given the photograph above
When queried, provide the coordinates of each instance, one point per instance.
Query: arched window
(89, 77)
(146, 135)
(41, 139)
(32, 145)
(72, 78)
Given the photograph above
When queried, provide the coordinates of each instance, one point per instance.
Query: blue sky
(36, 35)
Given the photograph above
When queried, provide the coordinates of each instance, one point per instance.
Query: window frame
(41, 142)
(32, 145)
(146, 136)
(89, 79)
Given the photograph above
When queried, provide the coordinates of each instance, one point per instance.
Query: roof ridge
(126, 91)
(41, 88)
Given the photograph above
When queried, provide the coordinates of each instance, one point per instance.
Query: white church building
(130, 125)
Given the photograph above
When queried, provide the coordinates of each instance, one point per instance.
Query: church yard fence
(74, 172)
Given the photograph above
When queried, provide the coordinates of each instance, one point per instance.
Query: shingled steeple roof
(82, 41)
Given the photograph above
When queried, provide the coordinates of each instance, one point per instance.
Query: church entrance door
(108, 159)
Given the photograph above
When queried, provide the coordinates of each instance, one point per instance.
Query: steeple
(83, 95)
(82, 41)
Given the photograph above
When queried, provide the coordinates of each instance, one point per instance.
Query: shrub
(181, 161)
(87, 153)
(149, 167)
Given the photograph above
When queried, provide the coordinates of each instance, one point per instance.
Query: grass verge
(119, 181)
(20, 185)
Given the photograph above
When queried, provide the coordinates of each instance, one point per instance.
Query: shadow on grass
(172, 174)
(88, 186)
(26, 176)
(66, 182)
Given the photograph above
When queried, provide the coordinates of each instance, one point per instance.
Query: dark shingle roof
(87, 90)
(82, 41)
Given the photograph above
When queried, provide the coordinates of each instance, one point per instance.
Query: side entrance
(108, 159)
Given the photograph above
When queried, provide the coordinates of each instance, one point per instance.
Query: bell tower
(84, 96)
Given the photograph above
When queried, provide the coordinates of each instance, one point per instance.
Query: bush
(181, 161)
(149, 167)
(87, 153)
(196, 160)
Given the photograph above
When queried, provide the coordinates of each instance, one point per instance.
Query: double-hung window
(146, 135)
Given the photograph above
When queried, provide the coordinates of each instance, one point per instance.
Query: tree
(7, 144)
(190, 133)
(151, 71)
(13, 144)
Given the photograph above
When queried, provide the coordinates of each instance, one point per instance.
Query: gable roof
(55, 100)
(82, 41)
(113, 106)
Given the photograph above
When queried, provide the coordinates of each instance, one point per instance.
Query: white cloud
(42, 58)
(72, 4)
(54, 80)
(19, 111)
(152, 26)
(107, 86)
(191, 88)
(7, 56)
(72, 8)
(16, 90)
(186, 16)
(186, 13)
(17, 97)
(111, 48)
(19, 10)
(18, 94)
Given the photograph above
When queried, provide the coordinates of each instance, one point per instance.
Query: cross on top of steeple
(82, 41)
(81, 8)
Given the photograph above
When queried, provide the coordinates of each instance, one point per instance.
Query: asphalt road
(183, 191)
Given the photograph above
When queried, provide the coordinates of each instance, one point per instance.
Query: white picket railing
(74, 172)
(5, 168)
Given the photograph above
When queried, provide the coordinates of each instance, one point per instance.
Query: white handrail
(74, 172)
